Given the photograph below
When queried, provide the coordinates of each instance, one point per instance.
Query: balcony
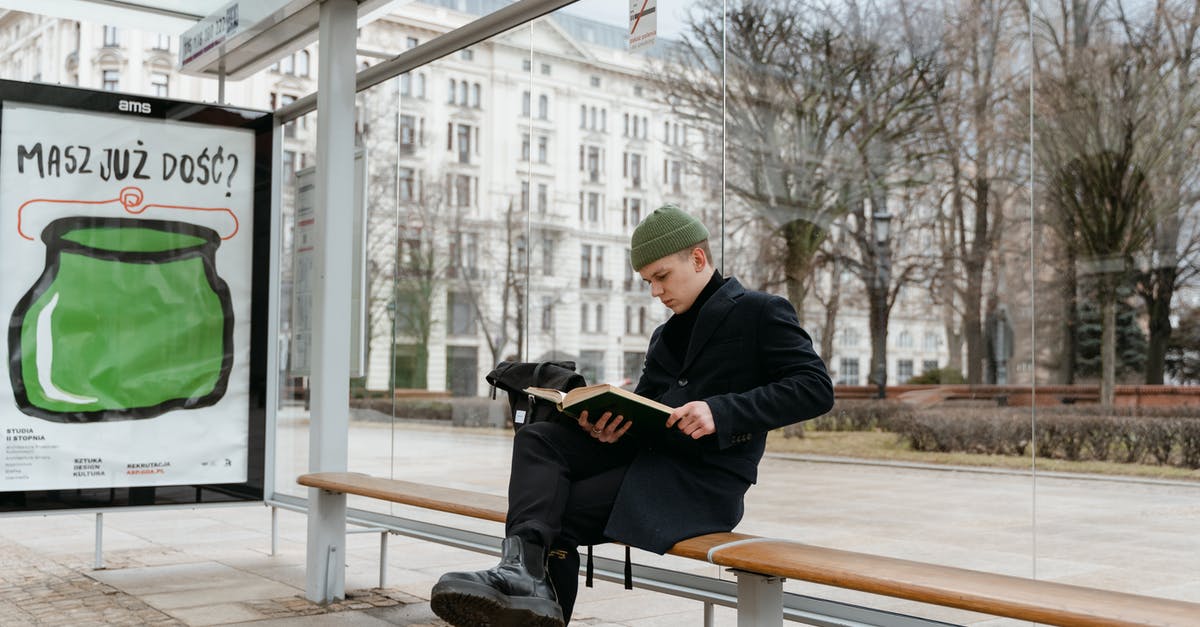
(595, 283)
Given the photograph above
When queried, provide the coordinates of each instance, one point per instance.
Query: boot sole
(467, 604)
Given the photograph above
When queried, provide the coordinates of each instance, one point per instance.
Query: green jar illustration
(128, 320)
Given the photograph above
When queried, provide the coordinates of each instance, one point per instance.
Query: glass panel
(1115, 119)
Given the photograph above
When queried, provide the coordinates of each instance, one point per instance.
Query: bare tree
(784, 92)
(976, 150)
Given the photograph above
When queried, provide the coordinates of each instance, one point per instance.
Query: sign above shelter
(245, 36)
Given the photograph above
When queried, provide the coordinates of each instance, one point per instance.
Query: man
(734, 363)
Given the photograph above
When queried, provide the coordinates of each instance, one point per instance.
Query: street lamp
(881, 226)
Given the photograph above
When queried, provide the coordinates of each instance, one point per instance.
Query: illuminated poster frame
(135, 234)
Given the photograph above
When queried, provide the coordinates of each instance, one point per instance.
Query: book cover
(599, 398)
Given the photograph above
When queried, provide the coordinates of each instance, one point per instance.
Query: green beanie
(668, 230)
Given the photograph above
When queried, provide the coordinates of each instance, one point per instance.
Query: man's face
(676, 279)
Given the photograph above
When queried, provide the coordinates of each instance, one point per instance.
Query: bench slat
(988, 593)
(463, 502)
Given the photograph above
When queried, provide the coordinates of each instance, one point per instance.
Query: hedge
(1162, 436)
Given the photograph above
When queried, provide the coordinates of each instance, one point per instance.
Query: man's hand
(607, 429)
(694, 419)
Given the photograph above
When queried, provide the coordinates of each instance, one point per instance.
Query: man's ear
(699, 259)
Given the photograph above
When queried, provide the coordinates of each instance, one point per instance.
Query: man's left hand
(694, 419)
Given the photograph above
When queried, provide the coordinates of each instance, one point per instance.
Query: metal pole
(274, 529)
(326, 561)
(708, 614)
(98, 562)
(383, 551)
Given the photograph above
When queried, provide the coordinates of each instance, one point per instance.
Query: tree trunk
(1108, 345)
(975, 261)
(1070, 318)
(802, 239)
(1158, 307)
(878, 322)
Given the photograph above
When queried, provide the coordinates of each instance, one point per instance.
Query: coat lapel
(711, 315)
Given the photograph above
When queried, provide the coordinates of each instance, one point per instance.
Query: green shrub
(947, 376)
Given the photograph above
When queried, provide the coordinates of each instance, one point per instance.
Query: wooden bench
(762, 563)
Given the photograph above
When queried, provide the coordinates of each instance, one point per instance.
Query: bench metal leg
(708, 614)
(383, 541)
(98, 562)
(325, 560)
(760, 600)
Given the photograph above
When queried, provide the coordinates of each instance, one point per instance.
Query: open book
(602, 397)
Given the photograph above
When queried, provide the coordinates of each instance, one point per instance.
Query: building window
(546, 69)
(593, 207)
(547, 313)
(462, 314)
(289, 165)
(543, 107)
(582, 116)
(162, 42)
(931, 342)
(585, 262)
(631, 212)
(583, 319)
(591, 366)
(543, 194)
(302, 63)
(453, 90)
(525, 99)
(524, 195)
(547, 256)
(525, 147)
(476, 95)
(543, 148)
(904, 370)
(641, 320)
(160, 84)
(904, 340)
(405, 84)
(420, 86)
(633, 367)
(412, 42)
(929, 365)
(526, 65)
(848, 373)
(599, 318)
(408, 134)
(467, 54)
(287, 65)
(848, 337)
(111, 80)
(594, 81)
(638, 91)
(408, 183)
(111, 39)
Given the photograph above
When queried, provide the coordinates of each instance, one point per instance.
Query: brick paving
(37, 590)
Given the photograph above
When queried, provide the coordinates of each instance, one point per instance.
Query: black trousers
(561, 490)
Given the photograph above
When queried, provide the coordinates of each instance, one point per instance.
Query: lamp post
(881, 227)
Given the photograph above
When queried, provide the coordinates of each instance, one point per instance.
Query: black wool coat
(756, 368)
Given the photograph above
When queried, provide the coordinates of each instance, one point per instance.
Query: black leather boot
(516, 593)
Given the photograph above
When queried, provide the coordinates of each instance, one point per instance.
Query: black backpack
(514, 376)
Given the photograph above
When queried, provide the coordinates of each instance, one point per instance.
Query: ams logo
(133, 106)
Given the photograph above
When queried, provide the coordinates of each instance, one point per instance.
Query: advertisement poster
(127, 247)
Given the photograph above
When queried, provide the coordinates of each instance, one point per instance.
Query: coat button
(682, 382)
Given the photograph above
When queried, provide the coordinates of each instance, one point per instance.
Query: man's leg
(547, 459)
(588, 507)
